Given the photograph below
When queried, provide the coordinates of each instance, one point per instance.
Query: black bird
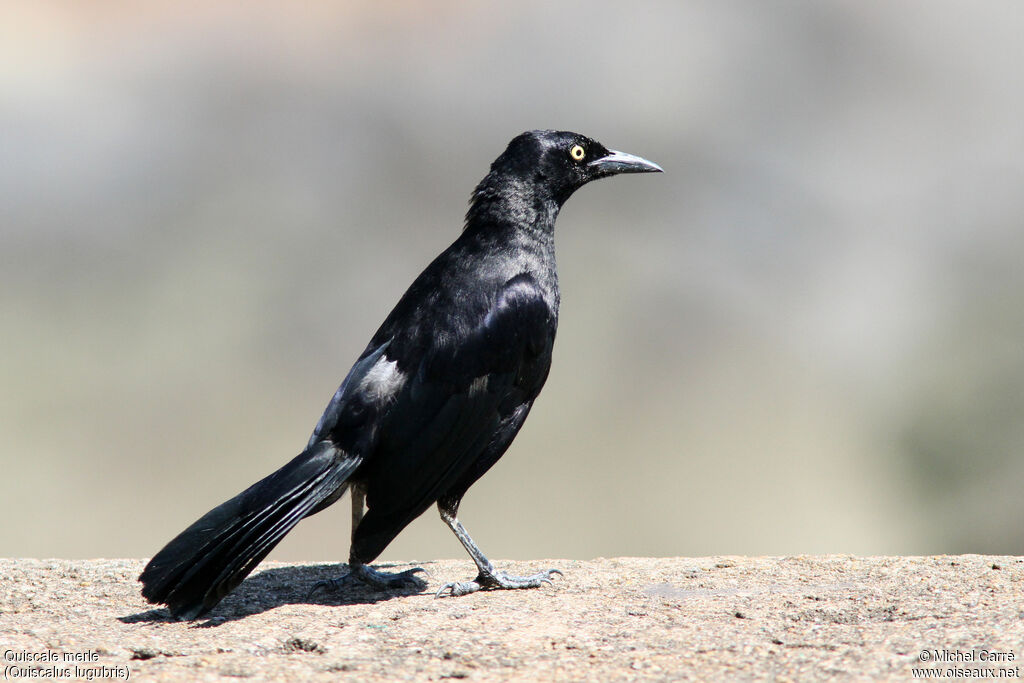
(431, 404)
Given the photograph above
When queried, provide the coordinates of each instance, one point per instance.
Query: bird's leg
(487, 577)
(358, 507)
(364, 572)
(368, 574)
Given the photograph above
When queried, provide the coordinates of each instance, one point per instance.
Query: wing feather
(454, 403)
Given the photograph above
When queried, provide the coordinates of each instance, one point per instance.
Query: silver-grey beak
(615, 162)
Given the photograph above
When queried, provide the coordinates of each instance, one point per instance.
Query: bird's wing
(451, 405)
(342, 402)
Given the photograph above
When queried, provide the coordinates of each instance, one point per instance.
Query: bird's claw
(497, 580)
(331, 585)
(457, 588)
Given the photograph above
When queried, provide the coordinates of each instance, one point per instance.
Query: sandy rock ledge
(717, 618)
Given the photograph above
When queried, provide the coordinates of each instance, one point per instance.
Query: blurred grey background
(807, 336)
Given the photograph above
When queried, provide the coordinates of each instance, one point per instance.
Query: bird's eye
(577, 152)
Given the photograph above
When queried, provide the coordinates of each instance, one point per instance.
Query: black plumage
(434, 400)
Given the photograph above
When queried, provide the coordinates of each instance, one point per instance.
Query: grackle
(431, 404)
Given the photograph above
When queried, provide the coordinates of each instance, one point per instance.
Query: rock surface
(718, 618)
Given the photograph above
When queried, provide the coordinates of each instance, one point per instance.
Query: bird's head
(562, 162)
(539, 171)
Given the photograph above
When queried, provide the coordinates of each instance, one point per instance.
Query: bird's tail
(210, 558)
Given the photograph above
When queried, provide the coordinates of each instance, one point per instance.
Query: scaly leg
(487, 577)
(366, 573)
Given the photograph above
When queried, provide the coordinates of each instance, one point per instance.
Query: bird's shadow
(273, 588)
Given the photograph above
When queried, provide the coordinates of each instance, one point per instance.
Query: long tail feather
(211, 557)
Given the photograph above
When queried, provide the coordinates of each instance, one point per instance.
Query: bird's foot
(379, 579)
(495, 581)
(372, 577)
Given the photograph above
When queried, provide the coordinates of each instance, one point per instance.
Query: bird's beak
(614, 163)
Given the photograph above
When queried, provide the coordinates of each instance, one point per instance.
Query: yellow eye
(577, 152)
